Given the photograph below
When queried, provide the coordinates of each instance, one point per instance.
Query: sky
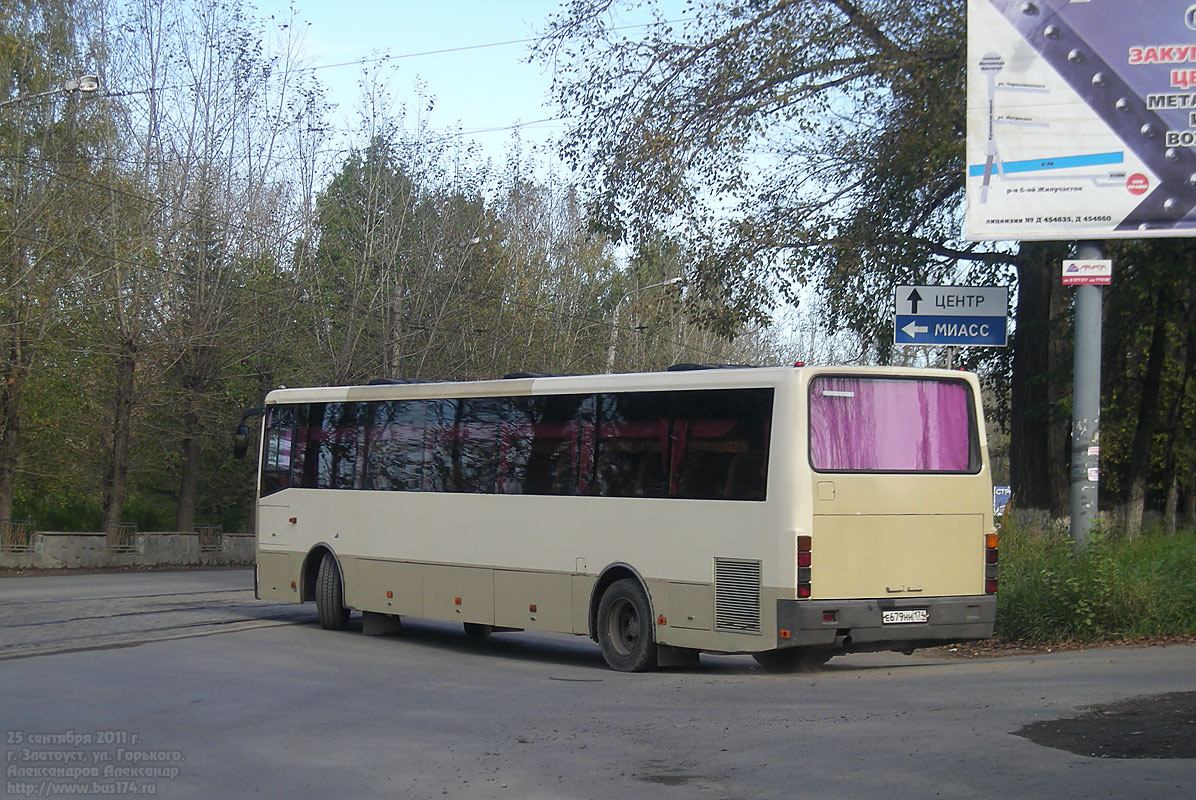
(484, 86)
(484, 90)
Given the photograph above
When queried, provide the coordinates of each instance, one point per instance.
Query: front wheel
(330, 597)
(625, 631)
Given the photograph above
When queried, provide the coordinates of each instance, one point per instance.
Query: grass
(1119, 588)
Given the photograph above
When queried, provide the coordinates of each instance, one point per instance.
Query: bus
(790, 513)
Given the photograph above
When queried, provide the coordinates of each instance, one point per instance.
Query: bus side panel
(535, 600)
(275, 528)
(583, 588)
(275, 571)
(375, 578)
(692, 605)
(462, 594)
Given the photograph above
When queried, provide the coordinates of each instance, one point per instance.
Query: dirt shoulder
(1001, 648)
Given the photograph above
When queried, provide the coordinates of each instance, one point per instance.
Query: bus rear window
(892, 425)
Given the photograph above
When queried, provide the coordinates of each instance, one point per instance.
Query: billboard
(1081, 119)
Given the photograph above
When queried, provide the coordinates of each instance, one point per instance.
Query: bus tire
(626, 634)
(477, 630)
(330, 597)
(793, 659)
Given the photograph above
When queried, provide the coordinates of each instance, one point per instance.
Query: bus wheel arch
(327, 587)
(622, 621)
(310, 572)
(613, 573)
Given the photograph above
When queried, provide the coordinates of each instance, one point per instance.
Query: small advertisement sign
(1088, 272)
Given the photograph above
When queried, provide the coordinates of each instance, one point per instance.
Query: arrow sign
(928, 330)
(913, 329)
(961, 316)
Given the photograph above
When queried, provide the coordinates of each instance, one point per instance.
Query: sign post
(1085, 412)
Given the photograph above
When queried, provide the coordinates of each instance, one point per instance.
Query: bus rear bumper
(859, 624)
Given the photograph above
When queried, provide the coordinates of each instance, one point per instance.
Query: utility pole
(1085, 413)
(614, 326)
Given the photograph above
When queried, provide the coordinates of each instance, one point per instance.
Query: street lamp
(614, 328)
(84, 84)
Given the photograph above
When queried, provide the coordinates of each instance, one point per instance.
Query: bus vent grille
(736, 595)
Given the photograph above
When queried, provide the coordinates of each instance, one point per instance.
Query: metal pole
(1085, 415)
(614, 328)
(614, 335)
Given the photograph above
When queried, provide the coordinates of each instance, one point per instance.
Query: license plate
(904, 616)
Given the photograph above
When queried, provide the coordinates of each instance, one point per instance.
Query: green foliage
(63, 510)
(1149, 416)
(1118, 588)
(818, 146)
(157, 278)
(807, 143)
(158, 275)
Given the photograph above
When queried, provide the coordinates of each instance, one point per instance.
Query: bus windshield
(861, 424)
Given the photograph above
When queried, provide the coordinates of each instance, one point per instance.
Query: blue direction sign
(951, 315)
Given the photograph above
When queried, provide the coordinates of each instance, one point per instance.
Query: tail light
(805, 545)
(990, 563)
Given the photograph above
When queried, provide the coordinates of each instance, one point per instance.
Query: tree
(812, 145)
(805, 140)
(209, 136)
(1149, 370)
(47, 134)
(397, 262)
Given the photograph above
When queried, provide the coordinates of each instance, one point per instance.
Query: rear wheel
(793, 659)
(625, 631)
(330, 597)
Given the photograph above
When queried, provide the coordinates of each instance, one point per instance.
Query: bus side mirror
(241, 442)
(241, 437)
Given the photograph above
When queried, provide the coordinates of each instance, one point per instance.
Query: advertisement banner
(1088, 272)
(1081, 119)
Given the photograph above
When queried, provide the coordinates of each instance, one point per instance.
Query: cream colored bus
(790, 513)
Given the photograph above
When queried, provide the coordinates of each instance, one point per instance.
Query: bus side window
(632, 444)
(276, 455)
(515, 463)
(553, 458)
(747, 477)
(330, 458)
(475, 438)
(720, 444)
(395, 447)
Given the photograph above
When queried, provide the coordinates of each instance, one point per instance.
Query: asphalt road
(182, 685)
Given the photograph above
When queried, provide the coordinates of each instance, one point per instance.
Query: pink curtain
(889, 425)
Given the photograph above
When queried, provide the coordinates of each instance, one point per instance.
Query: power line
(467, 47)
(404, 56)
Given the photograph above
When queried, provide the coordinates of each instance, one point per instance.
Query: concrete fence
(67, 550)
